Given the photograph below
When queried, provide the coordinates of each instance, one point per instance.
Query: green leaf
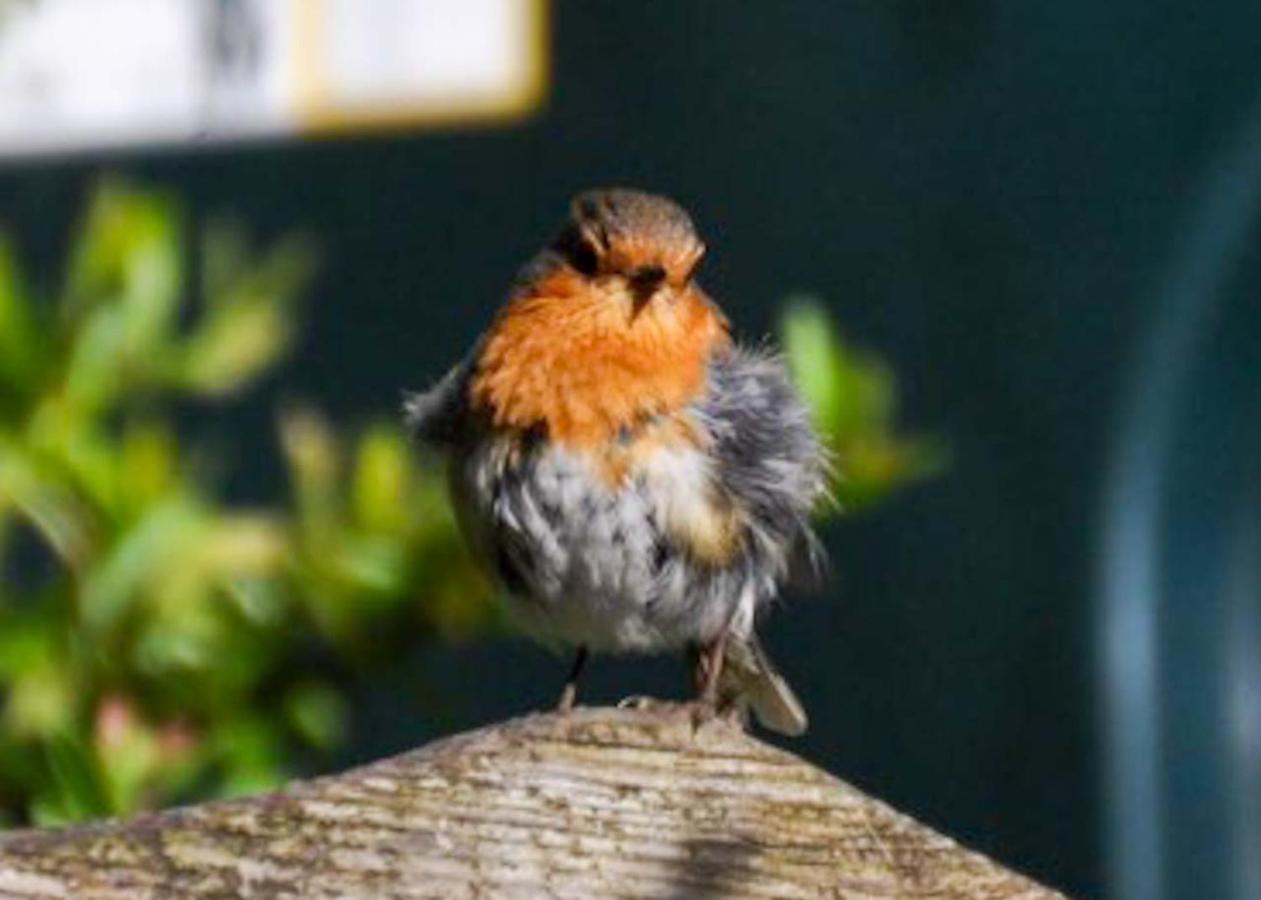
(28, 641)
(128, 252)
(78, 788)
(98, 366)
(249, 751)
(41, 700)
(20, 340)
(159, 541)
(247, 325)
(314, 460)
(234, 346)
(74, 450)
(815, 361)
(46, 503)
(854, 400)
(318, 713)
(374, 565)
(147, 456)
(381, 480)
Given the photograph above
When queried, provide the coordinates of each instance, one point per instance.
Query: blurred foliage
(155, 643)
(158, 644)
(853, 394)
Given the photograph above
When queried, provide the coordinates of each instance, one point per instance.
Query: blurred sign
(108, 73)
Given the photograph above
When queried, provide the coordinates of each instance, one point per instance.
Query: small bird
(634, 479)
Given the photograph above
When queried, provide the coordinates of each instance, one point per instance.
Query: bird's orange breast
(567, 355)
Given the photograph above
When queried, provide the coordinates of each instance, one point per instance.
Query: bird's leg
(569, 693)
(692, 658)
(709, 669)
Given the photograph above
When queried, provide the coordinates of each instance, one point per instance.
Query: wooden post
(597, 803)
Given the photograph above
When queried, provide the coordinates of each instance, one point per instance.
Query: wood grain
(596, 803)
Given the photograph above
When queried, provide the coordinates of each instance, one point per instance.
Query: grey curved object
(1187, 298)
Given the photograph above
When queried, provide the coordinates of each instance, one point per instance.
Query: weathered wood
(598, 803)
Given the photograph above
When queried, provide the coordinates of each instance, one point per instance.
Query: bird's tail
(750, 681)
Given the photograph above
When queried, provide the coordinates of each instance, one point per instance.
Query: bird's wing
(769, 459)
(437, 416)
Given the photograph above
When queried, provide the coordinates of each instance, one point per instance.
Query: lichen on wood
(595, 803)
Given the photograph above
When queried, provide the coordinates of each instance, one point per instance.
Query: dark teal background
(989, 194)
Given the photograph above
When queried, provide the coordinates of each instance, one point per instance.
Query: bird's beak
(644, 281)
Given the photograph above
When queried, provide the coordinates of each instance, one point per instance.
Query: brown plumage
(585, 362)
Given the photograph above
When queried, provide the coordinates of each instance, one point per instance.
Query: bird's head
(629, 243)
(605, 328)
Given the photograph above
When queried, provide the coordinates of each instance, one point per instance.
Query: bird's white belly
(592, 563)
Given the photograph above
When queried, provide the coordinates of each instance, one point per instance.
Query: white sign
(109, 73)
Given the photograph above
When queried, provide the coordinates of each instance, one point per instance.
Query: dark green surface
(984, 192)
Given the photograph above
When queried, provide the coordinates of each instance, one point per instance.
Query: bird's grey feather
(769, 457)
(595, 564)
(437, 417)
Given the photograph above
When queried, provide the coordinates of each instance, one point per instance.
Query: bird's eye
(578, 249)
(582, 256)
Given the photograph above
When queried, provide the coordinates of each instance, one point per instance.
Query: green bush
(157, 644)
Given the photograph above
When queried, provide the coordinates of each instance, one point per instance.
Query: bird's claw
(697, 713)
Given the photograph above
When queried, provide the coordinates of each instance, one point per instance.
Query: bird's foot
(705, 712)
(697, 713)
(644, 703)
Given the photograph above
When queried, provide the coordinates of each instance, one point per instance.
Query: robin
(634, 479)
